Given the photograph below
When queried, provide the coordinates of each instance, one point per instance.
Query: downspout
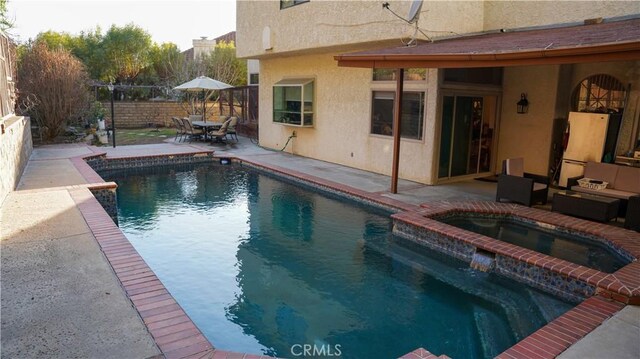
(397, 115)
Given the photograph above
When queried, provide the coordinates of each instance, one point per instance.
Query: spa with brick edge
(178, 337)
(570, 280)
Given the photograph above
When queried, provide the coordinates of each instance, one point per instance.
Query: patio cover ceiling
(607, 41)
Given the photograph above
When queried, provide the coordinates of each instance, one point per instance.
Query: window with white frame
(412, 118)
(293, 102)
(254, 79)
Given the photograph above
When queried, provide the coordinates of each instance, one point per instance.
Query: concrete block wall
(15, 149)
(142, 114)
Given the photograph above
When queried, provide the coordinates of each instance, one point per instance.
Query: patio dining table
(207, 126)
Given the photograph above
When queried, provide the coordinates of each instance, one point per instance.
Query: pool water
(264, 266)
(573, 248)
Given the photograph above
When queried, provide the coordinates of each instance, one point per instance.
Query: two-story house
(327, 74)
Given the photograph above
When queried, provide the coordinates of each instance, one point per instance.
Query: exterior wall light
(523, 104)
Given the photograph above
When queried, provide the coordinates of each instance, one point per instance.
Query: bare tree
(53, 88)
(221, 64)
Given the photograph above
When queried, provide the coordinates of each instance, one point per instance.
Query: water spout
(482, 260)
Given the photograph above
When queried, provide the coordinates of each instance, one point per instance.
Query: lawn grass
(143, 136)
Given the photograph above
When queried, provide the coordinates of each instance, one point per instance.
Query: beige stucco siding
(528, 135)
(549, 92)
(323, 24)
(342, 118)
(525, 13)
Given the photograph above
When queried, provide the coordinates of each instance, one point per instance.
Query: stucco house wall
(322, 24)
(525, 13)
(342, 105)
(528, 135)
(301, 41)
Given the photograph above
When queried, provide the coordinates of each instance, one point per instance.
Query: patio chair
(190, 130)
(221, 134)
(231, 131)
(180, 130)
(518, 186)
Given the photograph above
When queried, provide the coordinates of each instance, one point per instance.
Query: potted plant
(96, 121)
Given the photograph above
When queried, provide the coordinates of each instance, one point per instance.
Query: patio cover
(607, 41)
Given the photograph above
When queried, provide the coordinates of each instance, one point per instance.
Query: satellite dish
(412, 19)
(414, 11)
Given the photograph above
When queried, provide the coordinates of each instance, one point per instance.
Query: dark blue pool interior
(572, 247)
(261, 264)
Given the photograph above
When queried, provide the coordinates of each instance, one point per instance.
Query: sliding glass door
(466, 135)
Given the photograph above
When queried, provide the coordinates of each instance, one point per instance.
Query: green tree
(126, 52)
(57, 40)
(165, 59)
(89, 49)
(5, 23)
(223, 65)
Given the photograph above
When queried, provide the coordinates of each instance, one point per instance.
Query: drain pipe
(293, 135)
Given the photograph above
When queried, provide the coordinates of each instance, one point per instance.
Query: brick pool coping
(622, 285)
(178, 337)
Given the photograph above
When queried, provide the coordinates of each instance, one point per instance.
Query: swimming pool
(571, 247)
(262, 265)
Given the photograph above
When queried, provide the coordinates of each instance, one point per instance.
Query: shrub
(55, 83)
(97, 112)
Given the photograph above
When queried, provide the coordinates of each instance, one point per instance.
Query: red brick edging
(555, 337)
(178, 337)
(171, 328)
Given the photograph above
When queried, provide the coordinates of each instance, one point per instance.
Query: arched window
(599, 93)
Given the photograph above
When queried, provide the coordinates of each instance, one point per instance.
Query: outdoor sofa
(623, 183)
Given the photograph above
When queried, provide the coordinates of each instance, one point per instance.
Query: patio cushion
(628, 179)
(538, 186)
(515, 167)
(601, 171)
(607, 192)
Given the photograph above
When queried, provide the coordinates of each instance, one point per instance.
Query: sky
(177, 21)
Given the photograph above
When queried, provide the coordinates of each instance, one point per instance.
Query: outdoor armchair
(190, 130)
(231, 131)
(221, 134)
(180, 130)
(517, 186)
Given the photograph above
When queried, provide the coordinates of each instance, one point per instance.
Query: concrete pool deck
(49, 254)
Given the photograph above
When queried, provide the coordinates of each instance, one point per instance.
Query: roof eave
(618, 51)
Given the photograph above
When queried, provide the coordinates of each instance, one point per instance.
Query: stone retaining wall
(15, 149)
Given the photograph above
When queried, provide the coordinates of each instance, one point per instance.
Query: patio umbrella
(203, 83)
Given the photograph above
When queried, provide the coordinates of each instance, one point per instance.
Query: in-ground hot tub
(573, 247)
(566, 256)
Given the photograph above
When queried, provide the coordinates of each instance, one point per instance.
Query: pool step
(547, 308)
(492, 339)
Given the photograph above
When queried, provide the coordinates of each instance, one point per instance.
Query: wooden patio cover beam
(397, 116)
